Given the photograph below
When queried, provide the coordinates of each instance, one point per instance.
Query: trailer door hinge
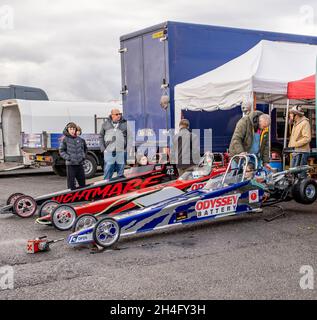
(124, 90)
(122, 50)
(164, 86)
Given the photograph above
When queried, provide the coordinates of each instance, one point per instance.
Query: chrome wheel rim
(87, 166)
(85, 222)
(310, 191)
(64, 217)
(107, 232)
(25, 207)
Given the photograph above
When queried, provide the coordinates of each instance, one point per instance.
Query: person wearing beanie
(73, 150)
(300, 136)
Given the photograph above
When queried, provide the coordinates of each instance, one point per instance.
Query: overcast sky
(70, 48)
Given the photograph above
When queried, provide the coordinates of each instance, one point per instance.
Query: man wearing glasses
(113, 143)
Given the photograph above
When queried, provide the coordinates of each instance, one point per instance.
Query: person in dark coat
(73, 150)
(186, 147)
(113, 144)
(251, 135)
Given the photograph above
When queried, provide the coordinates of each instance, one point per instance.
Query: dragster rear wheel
(106, 232)
(24, 206)
(63, 217)
(305, 191)
(84, 221)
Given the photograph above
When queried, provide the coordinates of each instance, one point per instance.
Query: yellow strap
(266, 130)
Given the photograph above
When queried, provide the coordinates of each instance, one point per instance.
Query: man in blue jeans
(113, 143)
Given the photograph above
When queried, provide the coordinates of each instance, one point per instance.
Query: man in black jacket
(113, 143)
(73, 150)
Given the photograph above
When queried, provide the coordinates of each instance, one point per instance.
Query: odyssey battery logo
(216, 206)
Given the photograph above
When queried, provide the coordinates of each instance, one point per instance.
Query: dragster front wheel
(24, 206)
(63, 217)
(47, 207)
(13, 197)
(106, 232)
(84, 221)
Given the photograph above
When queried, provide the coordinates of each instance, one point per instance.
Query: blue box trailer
(154, 60)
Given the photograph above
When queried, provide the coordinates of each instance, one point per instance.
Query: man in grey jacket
(113, 143)
(185, 147)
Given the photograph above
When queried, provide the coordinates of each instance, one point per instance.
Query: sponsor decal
(110, 190)
(254, 196)
(197, 186)
(217, 206)
(181, 216)
(80, 238)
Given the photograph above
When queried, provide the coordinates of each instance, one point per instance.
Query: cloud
(70, 48)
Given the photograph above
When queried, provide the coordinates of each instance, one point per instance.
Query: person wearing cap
(300, 136)
(73, 150)
(113, 143)
(185, 148)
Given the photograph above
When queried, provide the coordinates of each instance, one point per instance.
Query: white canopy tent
(265, 69)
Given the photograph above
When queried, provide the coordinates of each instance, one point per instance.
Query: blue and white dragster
(244, 188)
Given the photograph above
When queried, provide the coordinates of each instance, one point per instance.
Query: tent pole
(254, 101)
(285, 132)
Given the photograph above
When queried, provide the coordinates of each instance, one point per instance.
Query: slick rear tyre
(63, 217)
(24, 206)
(305, 191)
(106, 232)
(47, 207)
(84, 221)
(59, 170)
(90, 166)
(13, 197)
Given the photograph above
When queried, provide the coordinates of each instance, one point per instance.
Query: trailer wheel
(47, 207)
(84, 221)
(63, 217)
(24, 206)
(305, 191)
(59, 170)
(90, 166)
(106, 232)
(13, 197)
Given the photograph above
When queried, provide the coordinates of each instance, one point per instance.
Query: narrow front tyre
(106, 232)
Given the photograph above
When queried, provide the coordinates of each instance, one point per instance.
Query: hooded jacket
(301, 135)
(72, 149)
(243, 136)
(113, 136)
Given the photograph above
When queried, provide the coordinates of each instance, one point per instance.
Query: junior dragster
(243, 189)
(135, 178)
(195, 177)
